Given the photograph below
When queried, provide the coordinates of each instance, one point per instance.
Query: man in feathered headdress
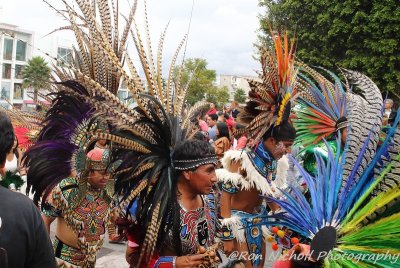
(82, 208)
(193, 210)
(321, 114)
(72, 182)
(249, 174)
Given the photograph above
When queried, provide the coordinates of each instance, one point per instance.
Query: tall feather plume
(278, 83)
(143, 138)
(355, 234)
(365, 118)
(322, 104)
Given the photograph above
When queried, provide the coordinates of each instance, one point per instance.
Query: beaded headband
(195, 163)
(341, 125)
(100, 162)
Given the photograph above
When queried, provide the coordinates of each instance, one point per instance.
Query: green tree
(218, 96)
(354, 34)
(200, 79)
(36, 75)
(240, 95)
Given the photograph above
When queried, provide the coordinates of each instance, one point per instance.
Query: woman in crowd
(223, 141)
(240, 139)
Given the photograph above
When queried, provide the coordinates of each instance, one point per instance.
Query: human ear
(186, 175)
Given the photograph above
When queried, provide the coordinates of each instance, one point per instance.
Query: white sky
(222, 31)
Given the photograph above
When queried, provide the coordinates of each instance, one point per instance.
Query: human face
(278, 148)
(98, 178)
(202, 179)
(388, 104)
(210, 122)
(102, 142)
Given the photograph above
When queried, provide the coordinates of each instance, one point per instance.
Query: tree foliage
(36, 75)
(199, 77)
(355, 34)
(218, 96)
(240, 95)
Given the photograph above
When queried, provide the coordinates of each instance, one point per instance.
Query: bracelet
(226, 233)
(166, 262)
(174, 262)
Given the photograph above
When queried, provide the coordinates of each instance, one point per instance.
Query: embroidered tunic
(87, 213)
(198, 227)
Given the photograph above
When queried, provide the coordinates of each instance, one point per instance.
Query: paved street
(113, 255)
(110, 255)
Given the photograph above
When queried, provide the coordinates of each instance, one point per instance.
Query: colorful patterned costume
(351, 216)
(260, 169)
(87, 214)
(198, 227)
(267, 110)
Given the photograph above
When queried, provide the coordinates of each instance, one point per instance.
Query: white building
(234, 82)
(15, 54)
(18, 46)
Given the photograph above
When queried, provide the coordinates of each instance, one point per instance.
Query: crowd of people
(196, 186)
(220, 128)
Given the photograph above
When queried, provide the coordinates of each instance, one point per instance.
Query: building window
(18, 71)
(18, 91)
(5, 90)
(21, 51)
(64, 55)
(8, 49)
(7, 70)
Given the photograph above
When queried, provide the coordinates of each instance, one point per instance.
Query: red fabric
(133, 238)
(241, 143)
(23, 140)
(282, 264)
(203, 125)
(212, 111)
(230, 122)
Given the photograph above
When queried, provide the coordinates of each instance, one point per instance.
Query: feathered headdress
(26, 125)
(347, 218)
(69, 130)
(270, 99)
(322, 106)
(144, 138)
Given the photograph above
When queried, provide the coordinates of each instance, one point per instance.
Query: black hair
(6, 136)
(193, 149)
(187, 150)
(213, 117)
(199, 136)
(239, 126)
(15, 151)
(226, 115)
(223, 130)
(283, 132)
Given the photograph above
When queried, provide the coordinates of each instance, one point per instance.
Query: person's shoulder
(68, 186)
(11, 196)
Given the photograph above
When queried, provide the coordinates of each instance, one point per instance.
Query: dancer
(248, 174)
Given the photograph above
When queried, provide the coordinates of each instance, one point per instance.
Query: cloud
(222, 31)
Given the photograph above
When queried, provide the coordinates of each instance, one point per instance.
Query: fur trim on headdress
(253, 178)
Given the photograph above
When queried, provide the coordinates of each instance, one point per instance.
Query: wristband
(226, 233)
(166, 262)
